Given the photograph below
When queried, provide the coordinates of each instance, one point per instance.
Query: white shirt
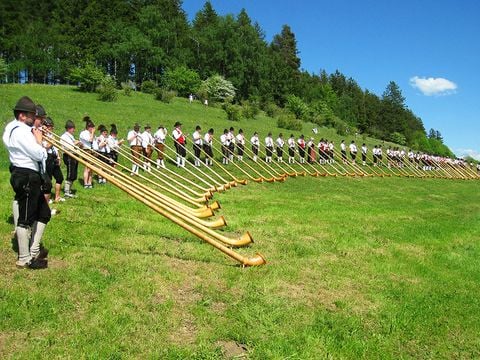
(301, 143)
(102, 144)
(134, 138)
(224, 139)
(268, 141)
(160, 136)
(343, 146)
(353, 148)
(208, 139)
(231, 137)
(147, 139)
(364, 149)
(197, 138)
(240, 139)
(255, 140)
(291, 142)
(113, 143)
(67, 140)
(23, 149)
(87, 139)
(177, 133)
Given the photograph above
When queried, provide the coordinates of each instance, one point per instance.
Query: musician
(301, 148)
(135, 141)
(68, 142)
(207, 147)
(180, 142)
(52, 165)
(225, 141)
(343, 150)
(364, 154)
(311, 151)
(147, 147)
(280, 143)
(197, 144)
(331, 149)
(102, 148)
(269, 147)
(27, 161)
(159, 137)
(322, 151)
(114, 144)
(255, 141)
(380, 154)
(86, 137)
(240, 141)
(353, 151)
(375, 155)
(291, 149)
(231, 146)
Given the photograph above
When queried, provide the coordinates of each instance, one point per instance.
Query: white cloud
(468, 152)
(433, 86)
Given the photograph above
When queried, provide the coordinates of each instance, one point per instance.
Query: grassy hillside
(357, 267)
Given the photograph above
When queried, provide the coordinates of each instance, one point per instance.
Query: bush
(181, 79)
(164, 95)
(289, 122)
(149, 87)
(216, 88)
(88, 77)
(128, 87)
(296, 106)
(271, 109)
(233, 111)
(107, 90)
(398, 138)
(250, 109)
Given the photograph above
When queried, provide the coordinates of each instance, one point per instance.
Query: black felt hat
(69, 124)
(40, 111)
(25, 104)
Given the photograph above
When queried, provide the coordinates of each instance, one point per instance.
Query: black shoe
(37, 263)
(43, 254)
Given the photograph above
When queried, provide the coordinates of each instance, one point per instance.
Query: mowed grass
(357, 268)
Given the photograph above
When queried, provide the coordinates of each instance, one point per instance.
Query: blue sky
(431, 49)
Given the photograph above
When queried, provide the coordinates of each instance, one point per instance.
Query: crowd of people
(35, 162)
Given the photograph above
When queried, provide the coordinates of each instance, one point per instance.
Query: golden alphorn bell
(114, 176)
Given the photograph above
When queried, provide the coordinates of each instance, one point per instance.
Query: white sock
(16, 212)
(23, 239)
(36, 237)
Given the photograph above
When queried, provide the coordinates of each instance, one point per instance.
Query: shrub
(271, 109)
(149, 87)
(107, 90)
(289, 122)
(250, 109)
(128, 87)
(233, 111)
(181, 79)
(88, 77)
(216, 88)
(398, 138)
(165, 95)
(296, 106)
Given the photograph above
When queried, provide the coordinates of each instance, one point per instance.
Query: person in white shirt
(68, 142)
(180, 141)
(86, 137)
(225, 141)
(364, 154)
(331, 149)
(240, 141)
(255, 141)
(207, 147)
(375, 155)
(135, 141)
(114, 145)
(27, 162)
(353, 151)
(301, 148)
(147, 147)
(291, 149)
(197, 145)
(159, 137)
(343, 150)
(52, 166)
(280, 144)
(231, 146)
(268, 147)
(101, 146)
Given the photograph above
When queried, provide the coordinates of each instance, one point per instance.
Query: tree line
(142, 42)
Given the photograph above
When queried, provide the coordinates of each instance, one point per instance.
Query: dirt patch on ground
(232, 349)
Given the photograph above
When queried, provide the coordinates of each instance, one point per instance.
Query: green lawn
(357, 267)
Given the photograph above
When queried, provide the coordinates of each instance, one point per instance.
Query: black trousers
(181, 151)
(32, 205)
(255, 149)
(72, 167)
(269, 150)
(240, 149)
(196, 150)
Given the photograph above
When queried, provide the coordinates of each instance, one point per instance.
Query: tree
(3, 70)
(216, 88)
(181, 79)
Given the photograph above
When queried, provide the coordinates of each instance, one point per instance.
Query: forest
(137, 43)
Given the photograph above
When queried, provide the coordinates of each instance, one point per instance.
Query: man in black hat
(27, 158)
(52, 164)
(135, 140)
(180, 141)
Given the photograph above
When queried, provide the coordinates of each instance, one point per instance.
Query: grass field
(357, 267)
